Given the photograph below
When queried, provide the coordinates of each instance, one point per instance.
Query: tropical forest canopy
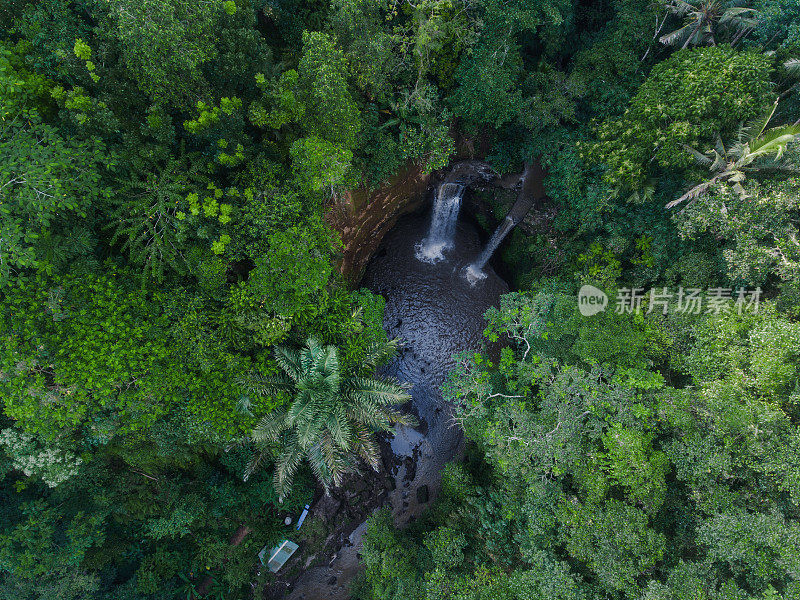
(180, 354)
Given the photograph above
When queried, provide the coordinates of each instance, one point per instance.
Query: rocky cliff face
(362, 217)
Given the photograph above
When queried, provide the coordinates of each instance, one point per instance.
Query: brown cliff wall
(362, 217)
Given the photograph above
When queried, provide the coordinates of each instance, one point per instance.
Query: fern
(145, 220)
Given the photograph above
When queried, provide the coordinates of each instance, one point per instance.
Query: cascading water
(531, 189)
(443, 223)
(475, 270)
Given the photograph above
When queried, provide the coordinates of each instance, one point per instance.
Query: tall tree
(687, 100)
(332, 415)
(755, 149)
(705, 20)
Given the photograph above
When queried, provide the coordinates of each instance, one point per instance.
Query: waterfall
(475, 270)
(443, 223)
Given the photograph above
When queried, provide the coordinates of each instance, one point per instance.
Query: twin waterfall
(443, 224)
(443, 228)
(475, 270)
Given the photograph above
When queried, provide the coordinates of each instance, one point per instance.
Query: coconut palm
(332, 417)
(755, 149)
(792, 67)
(703, 18)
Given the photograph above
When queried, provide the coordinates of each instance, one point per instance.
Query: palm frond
(754, 128)
(243, 406)
(774, 142)
(309, 427)
(304, 408)
(367, 448)
(329, 463)
(382, 391)
(379, 353)
(269, 428)
(286, 467)
(330, 365)
(330, 359)
(738, 15)
(327, 454)
(261, 385)
(254, 464)
(701, 159)
(681, 8)
(343, 466)
(720, 162)
(288, 359)
(398, 417)
(679, 36)
(374, 419)
(719, 146)
(339, 428)
(381, 418)
(310, 354)
(693, 193)
(320, 463)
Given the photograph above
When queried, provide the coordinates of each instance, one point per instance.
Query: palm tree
(331, 419)
(702, 17)
(732, 163)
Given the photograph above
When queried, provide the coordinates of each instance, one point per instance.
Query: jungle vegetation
(180, 354)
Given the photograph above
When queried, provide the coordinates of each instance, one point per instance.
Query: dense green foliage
(169, 174)
(602, 478)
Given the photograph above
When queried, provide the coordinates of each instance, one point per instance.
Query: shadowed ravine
(435, 311)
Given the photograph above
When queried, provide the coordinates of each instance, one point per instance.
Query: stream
(437, 313)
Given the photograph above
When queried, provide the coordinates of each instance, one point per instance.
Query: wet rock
(327, 508)
(411, 468)
(422, 494)
(332, 581)
(469, 172)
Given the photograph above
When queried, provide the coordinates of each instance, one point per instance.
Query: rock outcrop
(362, 216)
